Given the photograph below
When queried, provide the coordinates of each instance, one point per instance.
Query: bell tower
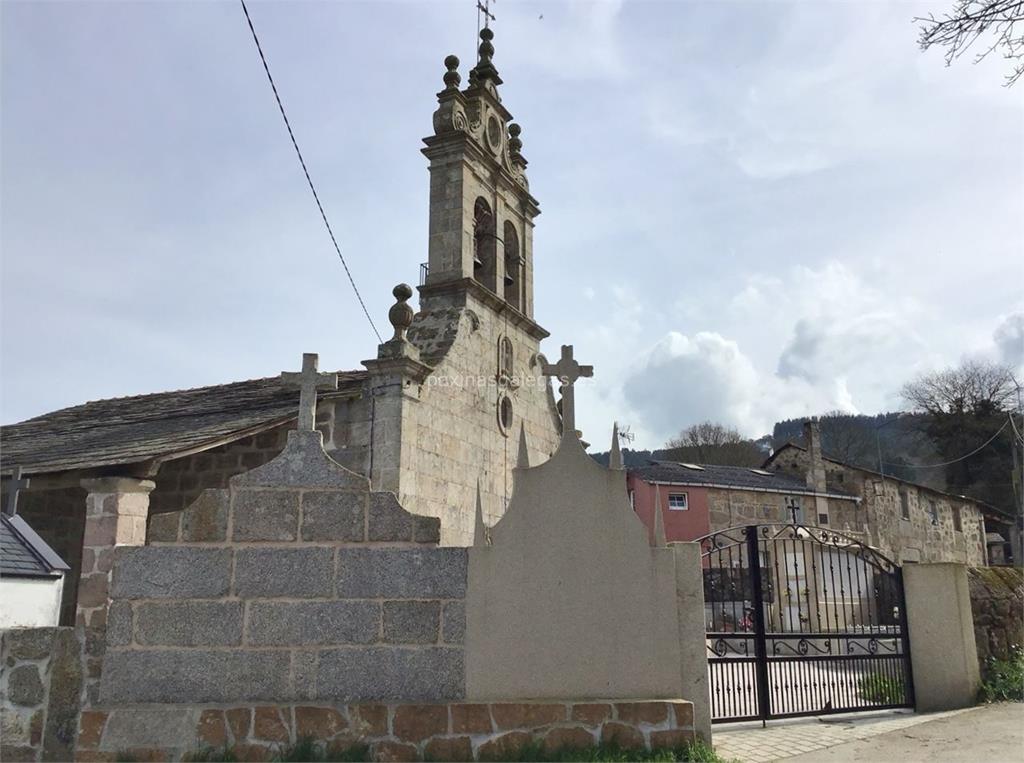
(481, 210)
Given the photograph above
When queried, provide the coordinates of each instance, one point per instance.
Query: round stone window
(494, 134)
(505, 414)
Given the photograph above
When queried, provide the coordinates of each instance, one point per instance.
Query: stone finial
(523, 459)
(451, 77)
(479, 528)
(484, 69)
(658, 536)
(401, 314)
(515, 143)
(615, 454)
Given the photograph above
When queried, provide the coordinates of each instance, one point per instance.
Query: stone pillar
(116, 509)
(693, 662)
(943, 652)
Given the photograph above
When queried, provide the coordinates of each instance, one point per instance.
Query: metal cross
(14, 486)
(309, 381)
(567, 371)
(485, 8)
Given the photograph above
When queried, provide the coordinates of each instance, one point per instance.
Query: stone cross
(14, 486)
(567, 371)
(309, 381)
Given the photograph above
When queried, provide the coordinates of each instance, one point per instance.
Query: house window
(933, 512)
(904, 504)
(958, 523)
(840, 477)
(822, 519)
(677, 501)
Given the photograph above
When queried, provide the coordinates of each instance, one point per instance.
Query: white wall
(30, 602)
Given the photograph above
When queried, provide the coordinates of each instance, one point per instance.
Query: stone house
(442, 406)
(905, 521)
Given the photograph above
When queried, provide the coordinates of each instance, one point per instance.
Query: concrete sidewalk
(987, 733)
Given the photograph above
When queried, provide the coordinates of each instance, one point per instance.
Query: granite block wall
(296, 583)
(40, 687)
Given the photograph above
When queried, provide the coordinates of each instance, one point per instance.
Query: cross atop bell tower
(481, 209)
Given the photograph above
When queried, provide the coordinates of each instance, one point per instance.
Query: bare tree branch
(972, 19)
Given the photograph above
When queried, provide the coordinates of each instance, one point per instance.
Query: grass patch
(695, 751)
(881, 689)
(1003, 680)
(208, 754)
(308, 750)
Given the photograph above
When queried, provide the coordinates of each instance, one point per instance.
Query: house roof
(127, 430)
(739, 477)
(985, 506)
(25, 554)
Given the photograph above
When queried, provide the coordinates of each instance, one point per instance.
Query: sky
(750, 211)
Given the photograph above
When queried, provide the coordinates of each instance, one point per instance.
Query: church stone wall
(450, 434)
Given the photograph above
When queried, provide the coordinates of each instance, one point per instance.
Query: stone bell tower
(481, 210)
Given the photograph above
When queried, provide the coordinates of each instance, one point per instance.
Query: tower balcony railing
(424, 272)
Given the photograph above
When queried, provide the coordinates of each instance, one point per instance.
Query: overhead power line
(955, 460)
(309, 180)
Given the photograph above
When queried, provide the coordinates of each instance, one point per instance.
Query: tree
(974, 387)
(847, 438)
(967, 417)
(972, 19)
(713, 443)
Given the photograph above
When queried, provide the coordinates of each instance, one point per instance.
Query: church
(452, 401)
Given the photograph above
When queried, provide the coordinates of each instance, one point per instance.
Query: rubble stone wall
(997, 603)
(40, 688)
(392, 732)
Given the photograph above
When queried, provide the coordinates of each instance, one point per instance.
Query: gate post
(943, 653)
(693, 652)
(760, 643)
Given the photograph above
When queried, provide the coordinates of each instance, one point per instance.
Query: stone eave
(463, 286)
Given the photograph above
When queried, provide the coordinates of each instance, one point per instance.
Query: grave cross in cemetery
(309, 381)
(567, 371)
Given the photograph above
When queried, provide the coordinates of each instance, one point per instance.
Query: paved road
(992, 733)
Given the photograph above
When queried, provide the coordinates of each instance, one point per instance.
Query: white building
(31, 577)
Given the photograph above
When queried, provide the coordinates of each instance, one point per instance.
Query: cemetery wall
(435, 731)
(997, 603)
(40, 686)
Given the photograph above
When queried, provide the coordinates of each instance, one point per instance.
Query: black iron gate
(802, 621)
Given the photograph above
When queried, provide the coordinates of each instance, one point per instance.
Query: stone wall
(451, 437)
(392, 732)
(997, 603)
(40, 686)
(179, 482)
(729, 508)
(917, 539)
(296, 583)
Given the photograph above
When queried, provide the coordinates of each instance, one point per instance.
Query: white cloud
(1009, 340)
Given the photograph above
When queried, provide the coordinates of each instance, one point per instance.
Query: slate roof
(739, 477)
(25, 554)
(126, 430)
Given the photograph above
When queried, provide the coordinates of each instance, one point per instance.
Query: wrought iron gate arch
(802, 620)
